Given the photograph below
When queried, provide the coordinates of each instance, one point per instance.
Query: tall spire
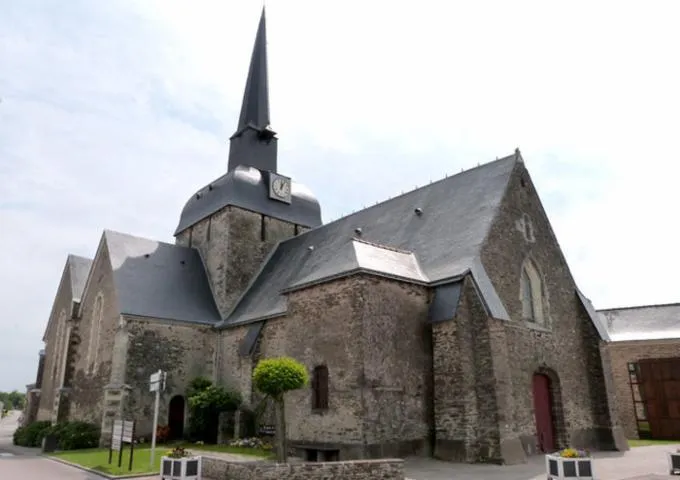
(254, 142)
(255, 106)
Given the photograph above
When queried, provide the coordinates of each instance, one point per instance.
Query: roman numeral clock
(279, 188)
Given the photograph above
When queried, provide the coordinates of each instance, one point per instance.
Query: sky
(113, 113)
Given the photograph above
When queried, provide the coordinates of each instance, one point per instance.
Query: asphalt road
(18, 463)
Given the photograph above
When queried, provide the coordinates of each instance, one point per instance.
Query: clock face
(281, 188)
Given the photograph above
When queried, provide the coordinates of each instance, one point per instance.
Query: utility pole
(156, 384)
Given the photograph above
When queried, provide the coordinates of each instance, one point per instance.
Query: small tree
(274, 377)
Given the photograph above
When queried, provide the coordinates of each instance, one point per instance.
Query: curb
(97, 472)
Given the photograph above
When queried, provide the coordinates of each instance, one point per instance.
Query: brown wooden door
(659, 384)
(545, 431)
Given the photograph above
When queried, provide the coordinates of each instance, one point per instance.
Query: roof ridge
(130, 235)
(447, 177)
(384, 247)
(634, 307)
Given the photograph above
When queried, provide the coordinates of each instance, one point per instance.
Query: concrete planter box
(187, 468)
(562, 468)
(674, 463)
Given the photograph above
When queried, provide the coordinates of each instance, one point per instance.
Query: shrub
(75, 435)
(31, 435)
(206, 401)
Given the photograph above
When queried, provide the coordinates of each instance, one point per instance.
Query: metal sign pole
(156, 385)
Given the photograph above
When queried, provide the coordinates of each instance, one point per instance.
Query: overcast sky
(113, 113)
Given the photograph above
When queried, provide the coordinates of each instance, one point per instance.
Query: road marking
(3, 454)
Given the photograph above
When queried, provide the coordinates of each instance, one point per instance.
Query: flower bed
(180, 464)
(569, 463)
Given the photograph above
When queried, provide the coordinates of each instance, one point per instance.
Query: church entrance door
(545, 429)
(176, 417)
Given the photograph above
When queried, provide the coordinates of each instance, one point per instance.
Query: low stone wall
(384, 469)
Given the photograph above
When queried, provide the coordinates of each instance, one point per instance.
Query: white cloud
(113, 113)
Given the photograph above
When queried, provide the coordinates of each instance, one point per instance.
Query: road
(25, 463)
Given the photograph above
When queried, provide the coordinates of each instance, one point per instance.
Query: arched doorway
(176, 417)
(543, 413)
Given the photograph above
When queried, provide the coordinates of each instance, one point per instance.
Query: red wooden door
(543, 413)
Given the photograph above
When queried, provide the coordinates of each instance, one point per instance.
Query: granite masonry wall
(94, 342)
(566, 347)
(369, 333)
(464, 392)
(385, 469)
(233, 243)
(54, 343)
(184, 351)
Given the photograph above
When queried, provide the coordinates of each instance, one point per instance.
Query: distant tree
(274, 377)
(13, 400)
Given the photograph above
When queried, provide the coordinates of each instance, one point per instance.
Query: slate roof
(79, 269)
(595, 317)
(442, 241)
(247, 187)
(160, 280)
(650, 322)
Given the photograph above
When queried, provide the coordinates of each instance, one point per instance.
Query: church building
(443, 322)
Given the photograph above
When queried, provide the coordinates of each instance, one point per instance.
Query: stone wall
(369, 332)
(184, 351)
(91, 360)
(465, 404)
(233, 243)
(566, 347)
(61, 312)
(621, 353)
(396, 364)
(386, 469)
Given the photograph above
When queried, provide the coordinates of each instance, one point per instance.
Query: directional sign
(157, 381)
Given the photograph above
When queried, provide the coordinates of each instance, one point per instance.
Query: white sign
(116, 443)
(128, 429)
(157, 381)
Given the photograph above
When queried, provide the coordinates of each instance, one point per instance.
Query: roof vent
(310, 248)
(357, 230)
(210, 187)
(146, 255)
(419, 211)
(182, 262)
(198, 195)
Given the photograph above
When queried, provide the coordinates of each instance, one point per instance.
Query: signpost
(123, 432)
(156, 384)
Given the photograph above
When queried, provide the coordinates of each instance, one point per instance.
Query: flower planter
(569, 468)
(673, 463)
(186, 468)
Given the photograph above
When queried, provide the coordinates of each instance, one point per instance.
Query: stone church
(441, 322)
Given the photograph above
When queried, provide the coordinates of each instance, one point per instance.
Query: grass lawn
(647, 443)
(98, 458)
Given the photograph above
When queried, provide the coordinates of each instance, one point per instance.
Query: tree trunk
(281, 448)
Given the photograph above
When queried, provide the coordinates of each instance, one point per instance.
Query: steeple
(254, 142)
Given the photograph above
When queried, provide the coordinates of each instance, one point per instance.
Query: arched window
(95, 326)
(531, 294)
(320, 388)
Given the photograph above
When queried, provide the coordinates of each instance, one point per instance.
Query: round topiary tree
(274, 377)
